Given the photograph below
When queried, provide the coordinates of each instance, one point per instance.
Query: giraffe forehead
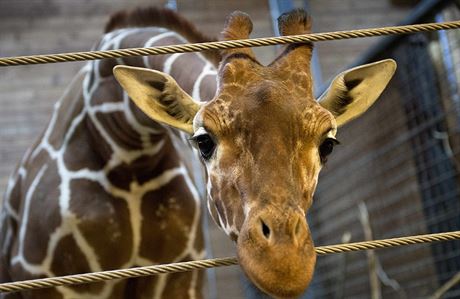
(254, 98)
(266, 117)
(259, 94)
(240, 70)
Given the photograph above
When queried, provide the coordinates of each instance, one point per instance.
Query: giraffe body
(105, 187)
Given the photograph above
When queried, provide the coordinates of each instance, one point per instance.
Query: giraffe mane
(161, 17)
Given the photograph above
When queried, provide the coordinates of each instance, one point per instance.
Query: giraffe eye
(325, 149)
(205, 144)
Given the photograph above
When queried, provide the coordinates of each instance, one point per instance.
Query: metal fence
(401, 163)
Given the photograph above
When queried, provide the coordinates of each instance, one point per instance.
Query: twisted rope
(211, 263)
(220, 45)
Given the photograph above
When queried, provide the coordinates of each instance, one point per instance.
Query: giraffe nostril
(265, 229)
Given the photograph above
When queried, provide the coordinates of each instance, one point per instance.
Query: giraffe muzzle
(277, 253)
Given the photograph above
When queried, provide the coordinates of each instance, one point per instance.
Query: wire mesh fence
(402, 160)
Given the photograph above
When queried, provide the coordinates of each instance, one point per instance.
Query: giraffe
(112, 184)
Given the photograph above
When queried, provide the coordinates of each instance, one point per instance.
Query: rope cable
(210, 263)
(220, 45)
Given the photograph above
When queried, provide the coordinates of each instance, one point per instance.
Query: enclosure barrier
(212, 263)
(220, 45)
(219, 262)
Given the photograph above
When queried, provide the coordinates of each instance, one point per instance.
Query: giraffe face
(263, 144)
(263, 140)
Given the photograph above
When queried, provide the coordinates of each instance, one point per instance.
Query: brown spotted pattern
(105, 187)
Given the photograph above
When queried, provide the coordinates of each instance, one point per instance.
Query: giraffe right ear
(353, 91)
(159, 96)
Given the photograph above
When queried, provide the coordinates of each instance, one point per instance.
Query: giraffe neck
(129, 137)
(112, 111)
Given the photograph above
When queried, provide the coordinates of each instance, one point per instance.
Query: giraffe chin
(282, 270)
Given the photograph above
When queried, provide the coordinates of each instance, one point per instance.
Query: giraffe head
(263, 140)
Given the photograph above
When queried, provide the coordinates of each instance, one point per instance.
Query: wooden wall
(336, 15)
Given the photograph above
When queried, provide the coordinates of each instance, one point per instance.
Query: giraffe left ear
(353, 91)
(159, 96)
